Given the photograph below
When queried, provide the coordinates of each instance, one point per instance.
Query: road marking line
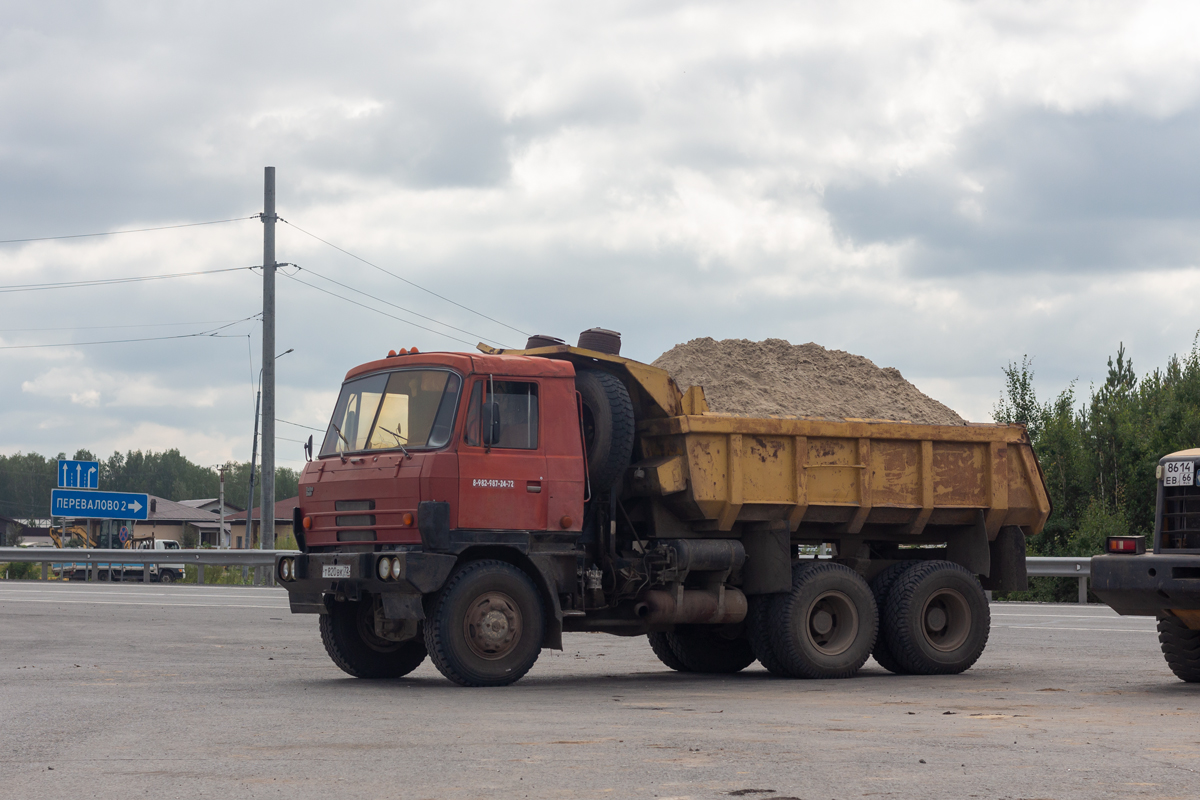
(7, 591)
(128, 603)
(1059, 628)
(1059, 615)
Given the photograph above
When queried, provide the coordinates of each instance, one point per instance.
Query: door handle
(533, 486)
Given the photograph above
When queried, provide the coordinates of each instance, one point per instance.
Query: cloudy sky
(941, 187)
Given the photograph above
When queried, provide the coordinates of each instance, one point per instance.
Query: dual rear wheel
(919, 618)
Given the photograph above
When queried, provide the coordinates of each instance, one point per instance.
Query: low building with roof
(165, 519)
(212, 504)
(283, 525)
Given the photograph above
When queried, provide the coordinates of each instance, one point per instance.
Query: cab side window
(518, 404)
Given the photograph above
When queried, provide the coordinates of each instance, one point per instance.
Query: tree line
(1099, 455)
(26, 479)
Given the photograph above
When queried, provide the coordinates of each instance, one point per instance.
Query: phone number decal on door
(492, 483)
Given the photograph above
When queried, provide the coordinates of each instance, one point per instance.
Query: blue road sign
(124, 535)
(98, 505)
(78, 474)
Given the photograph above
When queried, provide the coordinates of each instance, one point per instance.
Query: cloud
(939, 186)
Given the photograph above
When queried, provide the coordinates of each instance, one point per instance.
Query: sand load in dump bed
(777, 378)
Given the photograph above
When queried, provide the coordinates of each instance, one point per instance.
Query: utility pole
(253, 458)
(267, 518)
(221, 543)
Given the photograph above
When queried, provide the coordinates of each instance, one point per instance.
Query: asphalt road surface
(117, 691)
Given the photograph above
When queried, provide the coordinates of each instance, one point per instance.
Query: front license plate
(1178, 473)
(335, 571)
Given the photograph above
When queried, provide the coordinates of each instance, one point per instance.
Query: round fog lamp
(385, 568)
(396, 569)
(285, 569)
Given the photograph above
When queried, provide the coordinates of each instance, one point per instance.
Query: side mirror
(308, 449)
(491, 424)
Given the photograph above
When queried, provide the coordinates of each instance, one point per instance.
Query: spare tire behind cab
(608, 426)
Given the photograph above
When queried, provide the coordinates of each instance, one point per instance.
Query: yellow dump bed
(850, 473)
(848, 477)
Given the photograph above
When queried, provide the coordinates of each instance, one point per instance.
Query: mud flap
(969, 547)
(768, 567)
(1008, 572)
(555, 574)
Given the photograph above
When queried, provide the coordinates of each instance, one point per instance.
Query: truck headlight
(285, 569)
(385, 568)
(396, 569)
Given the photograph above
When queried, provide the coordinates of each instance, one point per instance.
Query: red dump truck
(473, 507)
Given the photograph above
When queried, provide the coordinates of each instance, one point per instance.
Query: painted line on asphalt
(107, 593)
(129, 603)
(1060, 628)
(1060, 615)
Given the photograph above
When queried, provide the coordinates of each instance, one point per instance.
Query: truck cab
(470, 433)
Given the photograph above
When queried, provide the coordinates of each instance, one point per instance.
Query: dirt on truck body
(473, 507)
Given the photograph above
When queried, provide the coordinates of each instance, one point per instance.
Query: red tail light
(1126, 545)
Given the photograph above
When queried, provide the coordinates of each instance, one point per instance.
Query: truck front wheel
(1181, 648)
(936, 619)
(826, 626)
(486, 626)
(348, 631)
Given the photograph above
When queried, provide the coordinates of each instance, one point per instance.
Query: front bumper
(321, 574)
(1145, 585)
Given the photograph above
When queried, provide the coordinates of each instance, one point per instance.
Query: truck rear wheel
(758, 628)
(608, 426)
(720, 649)
(666, 654)
(881, 586)
(826, 626)
(486, 626)
(936, 619)
(348, 632)
(1181, 648)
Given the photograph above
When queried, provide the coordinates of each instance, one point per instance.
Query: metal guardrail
(96, 560)
(1038, 567)
(1073, 567)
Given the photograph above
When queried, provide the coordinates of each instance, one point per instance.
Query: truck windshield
(412, 408)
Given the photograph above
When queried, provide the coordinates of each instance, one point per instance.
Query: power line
(377, 311)
(33, 287)
(134, 230)
(405, 280)
(209, 334)
(298, 425)
(110, 327)
(402, 308)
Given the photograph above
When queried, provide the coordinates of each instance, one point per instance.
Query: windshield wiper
(339, 433)
(398, 438)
